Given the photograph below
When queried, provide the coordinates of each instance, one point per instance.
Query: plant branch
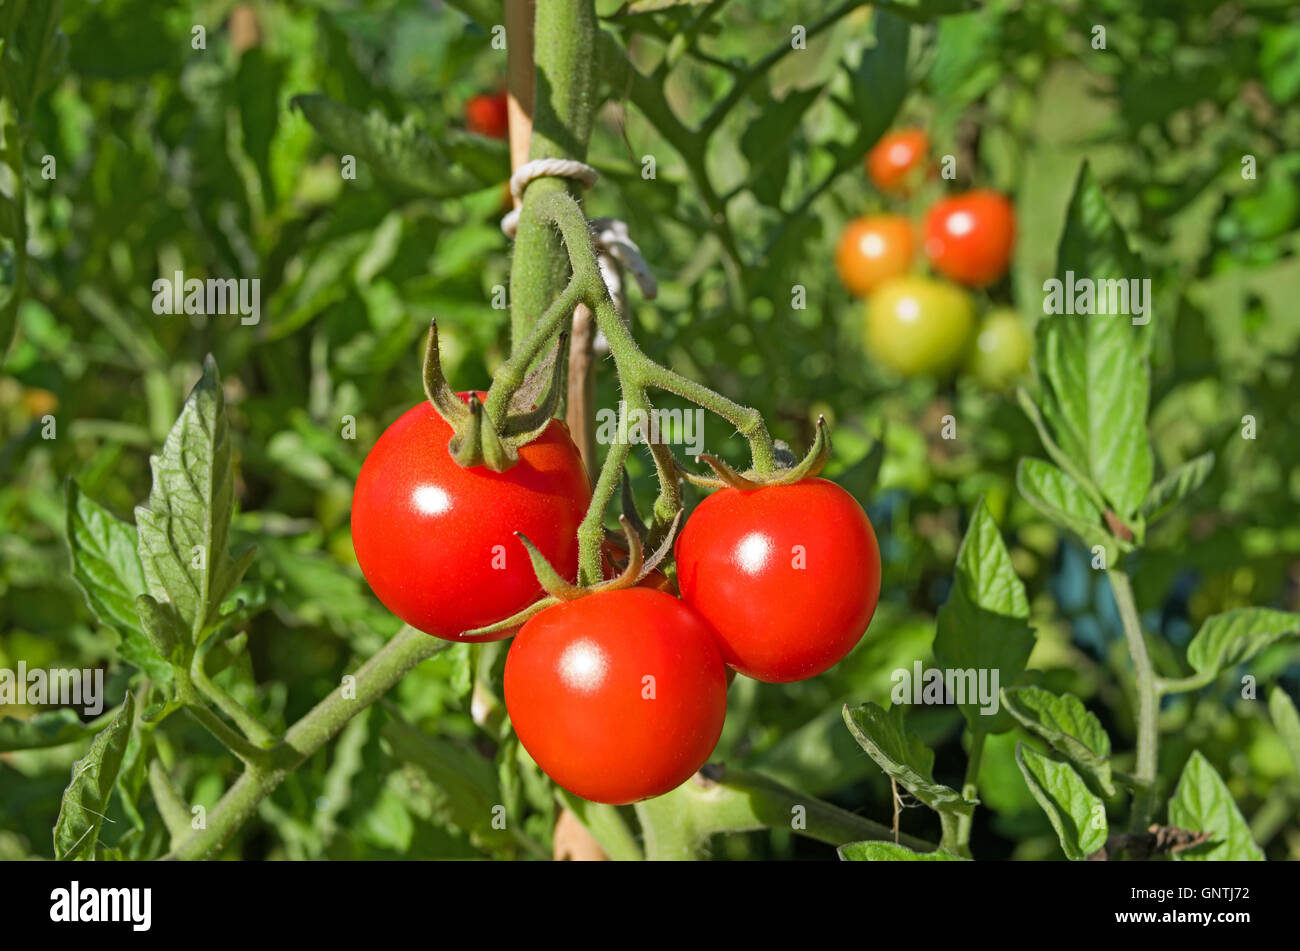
(196, 707)
(320, 724)
(970, 791)
(751, 74)
(564, 48)
(254, 730)
(1148, 735)
(173, 809)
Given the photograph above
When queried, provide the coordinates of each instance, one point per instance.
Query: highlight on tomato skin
(618, 696)
(788, 576)
(437, 542)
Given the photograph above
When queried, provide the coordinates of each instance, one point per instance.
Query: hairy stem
(564, 46)
(970, 792)
(173, 809)
(197, 707)
(407, 649)
(1148, 736)
(251, 727)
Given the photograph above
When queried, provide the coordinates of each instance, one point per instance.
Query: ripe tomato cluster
(620, 693)
(918, 324)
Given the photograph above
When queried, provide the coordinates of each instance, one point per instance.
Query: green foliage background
(174, 158)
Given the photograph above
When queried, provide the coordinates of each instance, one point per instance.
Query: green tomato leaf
(1064, 503)
(1078, 816)
(1064, 722)
(466, 783)
(53, 728)
(1286, 721)
(983, 626)
(901, 754)
(161, 625)
(1093, 369)
(1279, 60)
(85, 801)
(766, 142)
(1202, 803)
(405, 155)
(890, 852)
(185, 528)
(984, 568)
(1232, 637)
(879, 82)
(1177, 485)
(106, 567)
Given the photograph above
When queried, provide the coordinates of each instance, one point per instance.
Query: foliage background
(171, 158)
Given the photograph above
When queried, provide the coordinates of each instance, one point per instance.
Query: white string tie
(614, 246)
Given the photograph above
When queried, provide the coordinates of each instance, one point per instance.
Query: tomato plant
(788, 575)
(752, 291)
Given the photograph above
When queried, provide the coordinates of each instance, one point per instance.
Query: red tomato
(969, 237)
(619, 696)
(436, 542)
(487, 114)
(893, 159)
(872, 250)
(788, 576)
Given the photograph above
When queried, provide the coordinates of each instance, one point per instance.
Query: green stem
(254, 730)
(173, 809)
(196, 707)
(970, 792)
(636, 372)
(564, 48)
(1185, 684)
(677, 826)
(407, 649)
(1148, 736)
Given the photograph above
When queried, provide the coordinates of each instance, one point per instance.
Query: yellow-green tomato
(1001, 351)
(917, 325)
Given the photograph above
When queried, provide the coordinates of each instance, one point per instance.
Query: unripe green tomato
(1001, 350)
(917, 325)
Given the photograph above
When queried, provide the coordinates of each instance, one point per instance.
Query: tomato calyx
(787, 472)
(559, 589)
(476, 441)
